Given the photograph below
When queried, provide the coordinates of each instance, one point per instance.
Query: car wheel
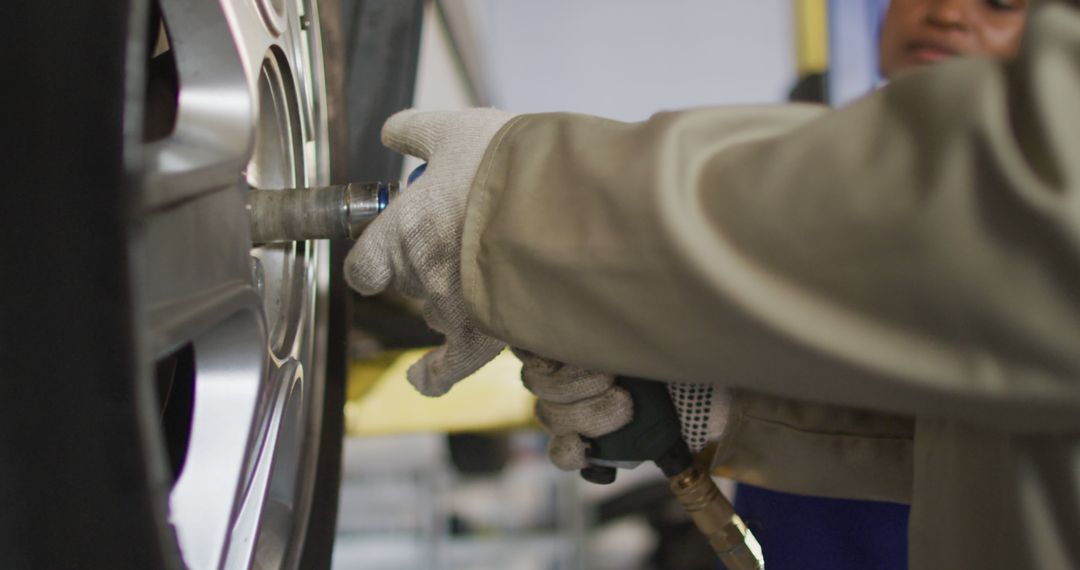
(168, 402)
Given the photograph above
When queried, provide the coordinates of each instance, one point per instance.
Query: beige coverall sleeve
(916, 252)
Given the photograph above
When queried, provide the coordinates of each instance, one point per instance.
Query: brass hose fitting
(716, 519)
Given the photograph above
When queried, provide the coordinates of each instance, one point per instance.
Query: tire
(169, 400)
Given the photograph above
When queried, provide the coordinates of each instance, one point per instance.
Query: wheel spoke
(215, 108)
(193, 280)
(230, 366)
(265, 518)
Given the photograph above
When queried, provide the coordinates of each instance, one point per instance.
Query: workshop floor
(404, 507)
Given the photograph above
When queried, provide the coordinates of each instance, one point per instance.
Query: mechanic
(802, 532)
(913, 253)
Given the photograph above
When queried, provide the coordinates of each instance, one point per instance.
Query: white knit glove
(414, 247)
(573, 403)
(703, 412)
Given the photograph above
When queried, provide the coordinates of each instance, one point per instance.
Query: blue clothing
(799, 532)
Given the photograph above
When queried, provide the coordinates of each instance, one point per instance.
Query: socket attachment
(330, 212)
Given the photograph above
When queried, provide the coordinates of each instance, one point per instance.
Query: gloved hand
(573, 403)
(414, 247)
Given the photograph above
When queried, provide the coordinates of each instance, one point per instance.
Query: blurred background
(463, 481)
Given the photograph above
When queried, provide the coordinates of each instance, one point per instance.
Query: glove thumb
(444, 366)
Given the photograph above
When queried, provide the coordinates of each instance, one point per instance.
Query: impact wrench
(343, 211)
(654, 434)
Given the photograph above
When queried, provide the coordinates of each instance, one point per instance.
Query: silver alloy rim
(251, 110)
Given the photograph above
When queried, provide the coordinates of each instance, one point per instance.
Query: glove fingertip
(425, 380)
(567, 452)
(608, 413)
(366, 269)
(622, 408)
(411, 132)
(622, 405)
(397, 125)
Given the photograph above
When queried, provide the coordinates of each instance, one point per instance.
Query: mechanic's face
(919, 32)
